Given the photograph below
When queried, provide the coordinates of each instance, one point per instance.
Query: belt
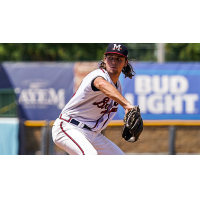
(75, 122)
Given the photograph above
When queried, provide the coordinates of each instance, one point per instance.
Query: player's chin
(113, 72)
(113, 69)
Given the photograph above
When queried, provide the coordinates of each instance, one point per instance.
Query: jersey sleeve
(92, 84)
(100, 73)
(94, 75)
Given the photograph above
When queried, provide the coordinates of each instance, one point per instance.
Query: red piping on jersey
(65, 119)
(112, 110)
(102, 70)
(73, 94)
(98, 121)
(106, 120)
(71, 138)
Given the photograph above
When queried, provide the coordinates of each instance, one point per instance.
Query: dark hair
(127, 71)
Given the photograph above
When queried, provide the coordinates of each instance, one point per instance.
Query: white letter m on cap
(116, 47)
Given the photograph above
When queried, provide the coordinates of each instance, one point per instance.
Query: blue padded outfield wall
(9, 128)
(163, 91)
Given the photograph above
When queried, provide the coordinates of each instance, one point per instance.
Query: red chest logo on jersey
(102, 104)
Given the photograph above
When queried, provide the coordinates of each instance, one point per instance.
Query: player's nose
(114, 60)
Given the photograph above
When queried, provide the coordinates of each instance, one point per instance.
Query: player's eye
(110, 57)
(114, 58)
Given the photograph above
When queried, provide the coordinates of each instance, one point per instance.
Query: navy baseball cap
(118, 49)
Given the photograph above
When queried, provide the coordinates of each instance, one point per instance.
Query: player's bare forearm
(111, 92)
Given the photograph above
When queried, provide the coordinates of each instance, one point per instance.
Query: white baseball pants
(77, 141)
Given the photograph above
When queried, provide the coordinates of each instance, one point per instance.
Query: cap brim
(115, 53)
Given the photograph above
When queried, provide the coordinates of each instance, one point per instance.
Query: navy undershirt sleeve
(92, 84)
(93, 87)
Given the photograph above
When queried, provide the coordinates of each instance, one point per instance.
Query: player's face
(115, 63)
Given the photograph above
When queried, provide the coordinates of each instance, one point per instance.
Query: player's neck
(114, 78)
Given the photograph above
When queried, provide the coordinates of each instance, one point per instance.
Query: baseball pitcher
(78, 128)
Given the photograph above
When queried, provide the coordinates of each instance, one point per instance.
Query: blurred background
(37, 80)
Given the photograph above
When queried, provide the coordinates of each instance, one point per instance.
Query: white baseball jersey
(92, 107)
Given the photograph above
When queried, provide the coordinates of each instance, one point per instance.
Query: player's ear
(126, 63)
(104, 58)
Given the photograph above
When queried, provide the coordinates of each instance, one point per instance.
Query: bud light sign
(164, 91)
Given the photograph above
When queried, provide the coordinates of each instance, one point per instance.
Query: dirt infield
(154, 140)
